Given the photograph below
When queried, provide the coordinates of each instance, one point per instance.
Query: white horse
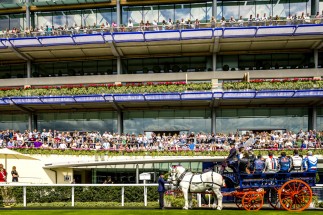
(197, 183)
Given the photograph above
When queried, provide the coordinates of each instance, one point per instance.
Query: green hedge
(101, 153)
(39, 195)
(106, 89)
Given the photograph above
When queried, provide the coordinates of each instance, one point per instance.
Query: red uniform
(3, 175)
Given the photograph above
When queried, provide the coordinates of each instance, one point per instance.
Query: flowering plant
(275, 84)
(80, 89)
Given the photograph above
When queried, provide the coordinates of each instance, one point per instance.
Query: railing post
(122, 196)
(25, 195)
(199, 203)
(145, 196)
(72, 196)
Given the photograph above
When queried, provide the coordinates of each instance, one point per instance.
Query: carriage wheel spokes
(238, 201)
(252, 201)
(295, 195)
(273, 198)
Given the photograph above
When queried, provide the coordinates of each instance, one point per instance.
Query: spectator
(161, 190)
(3, 174)
(14, 174)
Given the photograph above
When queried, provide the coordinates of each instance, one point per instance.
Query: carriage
(289, 191)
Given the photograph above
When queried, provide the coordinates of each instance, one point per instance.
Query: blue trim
(273, 27)
(24, 38)
(308, 96)
(198, 37)
(88, 35)
(57, 97)
(161, 95)
(309, 33)
(128, 33)
(163, 32)
(89, 96)
(56, 44)
(277, 92)
(141, 97)
(239, 36)
(27, 99)
(208, 96)
(239, 92)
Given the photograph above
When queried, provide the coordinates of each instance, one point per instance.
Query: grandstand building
(82, 42)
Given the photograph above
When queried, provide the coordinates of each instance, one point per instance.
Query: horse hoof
(219, 208)
(185, 208)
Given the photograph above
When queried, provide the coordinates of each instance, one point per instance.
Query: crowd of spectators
(259, 20)
(52, 139)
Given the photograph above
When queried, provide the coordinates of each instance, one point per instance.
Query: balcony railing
(79, 35)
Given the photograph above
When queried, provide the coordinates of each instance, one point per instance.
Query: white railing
(24, 186)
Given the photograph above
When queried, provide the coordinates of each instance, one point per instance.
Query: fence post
(25, 195)
(72, 196)
(145, 194)
(199, 203)
(122, 196)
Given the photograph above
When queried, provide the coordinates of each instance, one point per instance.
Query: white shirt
(271, 164)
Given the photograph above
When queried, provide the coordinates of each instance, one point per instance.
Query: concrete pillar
(312, 118)
(214, 62)
(120, 122)
(27, 14)
(316, 58)
(118, 13)
(214, 8)
(30, 122)
(28, 69)
(137, 173)
(35, 124)
(314, 7)
(119, 65)
(213, 121)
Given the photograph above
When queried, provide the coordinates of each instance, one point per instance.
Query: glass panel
(14, 121)
(182, 11)
(150, 13)
(44, 19)
(82, 121)
(199, 11)
(166, 12)
(284, 118)
(299, 7)
(194, 120)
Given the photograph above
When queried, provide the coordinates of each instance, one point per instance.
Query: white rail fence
(318, 188)
(122, 186)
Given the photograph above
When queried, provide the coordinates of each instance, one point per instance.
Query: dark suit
(161, 190)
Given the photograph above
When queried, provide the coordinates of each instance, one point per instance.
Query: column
(316, 58)
(213, 121)
(35, 124)
(118, 13)
(118, 65)
(214, 8)
(30, 122)
(214, 62)
(28, 69)
(312, 118)
(27, 14)
(120, 122)
(137, 173)
(314, 7)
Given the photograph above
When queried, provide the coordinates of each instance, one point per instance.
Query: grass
(149, 212)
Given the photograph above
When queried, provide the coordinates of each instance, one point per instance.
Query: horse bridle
(179, 179)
